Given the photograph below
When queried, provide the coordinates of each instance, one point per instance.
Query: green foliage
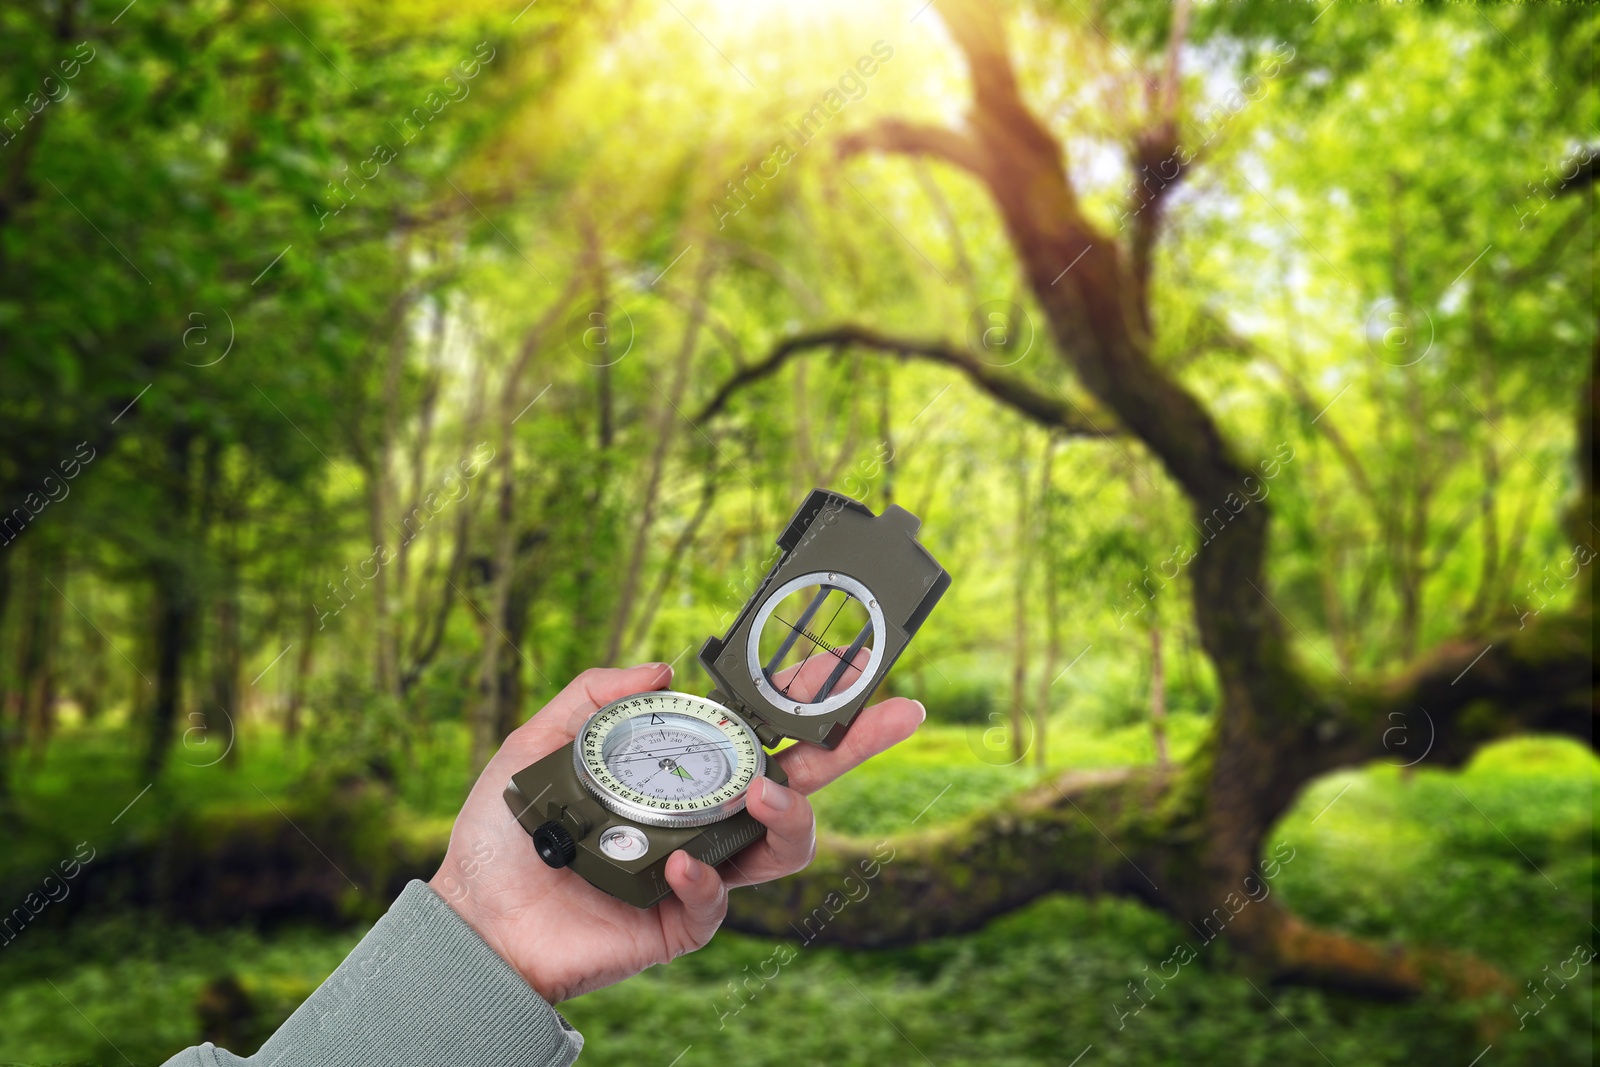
(1442, 853)
(968, 698)
(360, 732)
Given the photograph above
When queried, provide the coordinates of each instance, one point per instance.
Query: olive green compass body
(655, 772)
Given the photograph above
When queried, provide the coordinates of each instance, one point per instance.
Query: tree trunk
(302, 676)
(42, 638)
(495, 639)
(509, 685)
(668, 571)
(90, 675)
(6, 744)
(1052, 608)
(227, 663)
(1582, 520)
(667, 419)
(174, 601)
(174, 625)
(1191, 841)
(1158, 698)
(380, 492)
(497, 644)
(1021, 731)
(587, 616)
(1096, 315)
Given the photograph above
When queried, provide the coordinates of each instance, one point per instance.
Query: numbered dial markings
(668, 759)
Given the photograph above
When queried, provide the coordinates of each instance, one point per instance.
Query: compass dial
(668, 759)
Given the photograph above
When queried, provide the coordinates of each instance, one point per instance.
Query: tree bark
(1023, 558)
(510, 688)
(1052, 609)
(500, 573)
(680, 550)
(386, 641)
(91, 678)
(1014, 392)
(1582, 520)
(174, 602)
(1158, 697)
(174, 625)
(6, 712)
(302, 676)
(227, 664)
(42, 643)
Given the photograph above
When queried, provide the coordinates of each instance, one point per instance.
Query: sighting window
(816, 642)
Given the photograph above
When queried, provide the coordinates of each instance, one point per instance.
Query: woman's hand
(565, 936)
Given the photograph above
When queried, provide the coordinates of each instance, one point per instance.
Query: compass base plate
(548, 790)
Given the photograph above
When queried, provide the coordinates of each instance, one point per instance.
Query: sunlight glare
(777, 17)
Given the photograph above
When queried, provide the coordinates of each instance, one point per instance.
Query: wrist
(484, 922)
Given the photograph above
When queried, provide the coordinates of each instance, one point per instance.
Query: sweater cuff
(422, 988)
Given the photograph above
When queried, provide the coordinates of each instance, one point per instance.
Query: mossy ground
(1495, 859)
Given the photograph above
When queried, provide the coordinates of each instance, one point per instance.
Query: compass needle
(703, 759)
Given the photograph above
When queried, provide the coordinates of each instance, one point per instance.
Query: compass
(668, 759)
(655, 772)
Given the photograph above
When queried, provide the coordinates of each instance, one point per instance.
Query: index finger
(805, 679)
(880, 727)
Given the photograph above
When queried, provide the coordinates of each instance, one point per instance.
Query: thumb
(597, 686)
(559, 720)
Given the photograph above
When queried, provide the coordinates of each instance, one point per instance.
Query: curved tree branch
(954, 879)
(915, 139)
(1058, 414)
(1155, 151)
(1537, 677)
(1131, 833)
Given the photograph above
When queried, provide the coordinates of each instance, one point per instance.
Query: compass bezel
(865, 681)
(620, 799)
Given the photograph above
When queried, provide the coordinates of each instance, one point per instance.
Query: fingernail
(776, 796)
(693, 870)
(655, 667)
(922, 712)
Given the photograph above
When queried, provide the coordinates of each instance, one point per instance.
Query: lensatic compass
(655, 772)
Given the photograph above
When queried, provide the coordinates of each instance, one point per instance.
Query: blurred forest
(368, 370)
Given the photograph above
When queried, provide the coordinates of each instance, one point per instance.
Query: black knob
(554, 844)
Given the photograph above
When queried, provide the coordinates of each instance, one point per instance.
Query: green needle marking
(681, 773)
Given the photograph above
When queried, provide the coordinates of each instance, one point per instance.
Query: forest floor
(1496, 859)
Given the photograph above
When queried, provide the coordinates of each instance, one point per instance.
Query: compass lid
(842, 602)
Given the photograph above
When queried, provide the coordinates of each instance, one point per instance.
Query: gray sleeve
(422, 988)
